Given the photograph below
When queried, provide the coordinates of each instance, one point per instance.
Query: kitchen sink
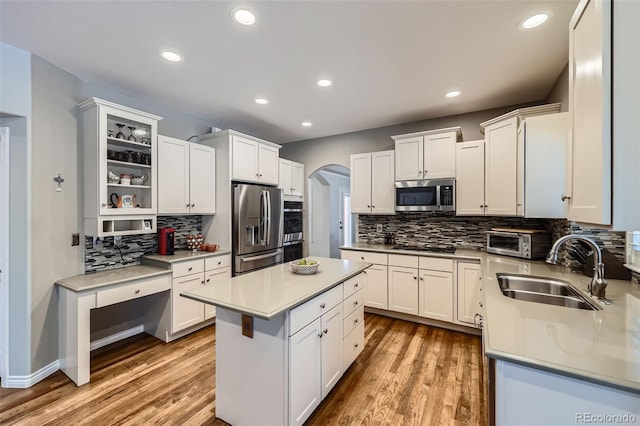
(543, 290)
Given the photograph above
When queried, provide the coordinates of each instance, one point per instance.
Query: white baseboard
(116, 337)
(31, 379)
(46, 371)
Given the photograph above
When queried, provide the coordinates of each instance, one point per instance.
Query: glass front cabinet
(120, 173)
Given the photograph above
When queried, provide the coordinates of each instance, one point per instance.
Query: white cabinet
(372, 183)
(524, 153)
(212, 277)
(291, 178)
(470, 178)
(118, 141)
(186, 178)
(254, 160)
(377, 297)
(603, 184)
(186, 312)
(426, 155)
(436, 288)
(403, 290)
(315, 352)
(469, 290)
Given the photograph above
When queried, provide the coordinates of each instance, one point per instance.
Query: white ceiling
(391, 61)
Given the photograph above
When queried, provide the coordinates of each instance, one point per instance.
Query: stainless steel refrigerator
(257, 227)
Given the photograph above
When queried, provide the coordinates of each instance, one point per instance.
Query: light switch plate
(379, 227)
(75, 240)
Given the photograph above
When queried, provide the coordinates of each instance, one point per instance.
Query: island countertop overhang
(269, 292)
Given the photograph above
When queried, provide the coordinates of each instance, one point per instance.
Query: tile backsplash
(134, 246)
(469, 232)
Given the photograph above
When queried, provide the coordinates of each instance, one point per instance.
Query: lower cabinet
(190, 275)
(469, 293)
(320, 349)
(377, 294)
(403, 290)
(436, 295)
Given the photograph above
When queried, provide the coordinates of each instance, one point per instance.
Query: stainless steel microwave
(426, 195)
(522, 243)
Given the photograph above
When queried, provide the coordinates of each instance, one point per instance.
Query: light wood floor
(407, 374)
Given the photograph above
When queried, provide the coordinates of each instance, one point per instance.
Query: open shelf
(125, 143)
(128, 164)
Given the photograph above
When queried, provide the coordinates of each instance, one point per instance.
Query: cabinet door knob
(368, 207)
(415, 278)
(322, 305)
(188, 204)
(419, 172)
(219, 262)
(426, 171)
(190, 268)
(325, 331)
(421, 278)
(257, 175)
(355, 346)
(355, 321)
(565, 197)
(260, 175)
(355, 303)
(320, 334)
(481, 206)
(362, 257)
(137, 291)
(208, 279)
(202, 282)
(355, 285)
(373, 207)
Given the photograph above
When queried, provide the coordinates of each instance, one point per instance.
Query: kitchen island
(283, 340)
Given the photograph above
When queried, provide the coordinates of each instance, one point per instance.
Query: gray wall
(43, 252)
(15, 113)
(560, 90)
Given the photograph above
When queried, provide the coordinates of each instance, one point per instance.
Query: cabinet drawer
(403, 260)
(132, 290)
(353, 302)
(436, 264)
(352, 321)
(312, 309)
(364, 256)
(187, 268)
(211, 263)
(353, 345)
(354, 284)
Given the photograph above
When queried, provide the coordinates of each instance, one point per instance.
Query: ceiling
(391, 62)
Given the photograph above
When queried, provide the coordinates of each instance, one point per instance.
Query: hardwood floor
(407, 374)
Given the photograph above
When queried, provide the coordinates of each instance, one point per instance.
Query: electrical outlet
(75, 240)
(117, 240)
(379, 227)
(98, 243)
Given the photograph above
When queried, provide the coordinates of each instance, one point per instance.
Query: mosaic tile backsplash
(422, 229)
(134, 246)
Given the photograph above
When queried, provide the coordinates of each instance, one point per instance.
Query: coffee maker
(166, 241)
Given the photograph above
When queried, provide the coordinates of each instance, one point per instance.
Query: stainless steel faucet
(598, 283)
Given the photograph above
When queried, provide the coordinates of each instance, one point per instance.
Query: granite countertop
(269, 292)
(100, 279)
(182, 255)
(597, 346)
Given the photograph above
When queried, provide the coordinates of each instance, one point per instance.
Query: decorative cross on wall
(58, 180)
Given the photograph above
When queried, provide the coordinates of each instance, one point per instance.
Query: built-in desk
(79, 294)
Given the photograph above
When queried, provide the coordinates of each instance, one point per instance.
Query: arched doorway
(331, 223)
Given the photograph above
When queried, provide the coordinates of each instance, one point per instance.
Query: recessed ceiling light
(262, 101)
(244, 17)
(170, 56)
(453, 94)
(324, 83)
(306, 123)
(534, 21)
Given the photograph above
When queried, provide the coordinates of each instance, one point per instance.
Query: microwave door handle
(503, 234)
(438, 196)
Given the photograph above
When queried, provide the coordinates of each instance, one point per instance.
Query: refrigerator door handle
(263, 218)
(267, 228)
(261, 256)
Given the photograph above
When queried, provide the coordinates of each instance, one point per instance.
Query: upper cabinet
(372, 183)
(603, 183)
(291, 178)
(186, 177)
(426, 155)
(120, 157)
(523, 159)
(254, 160)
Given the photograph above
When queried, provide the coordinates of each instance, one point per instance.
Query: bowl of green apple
(304, 266)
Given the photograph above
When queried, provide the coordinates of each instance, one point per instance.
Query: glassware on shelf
(131, 137)
(109, 133)
(120, 135)
(194, 241)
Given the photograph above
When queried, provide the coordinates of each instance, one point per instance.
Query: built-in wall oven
(292, 230)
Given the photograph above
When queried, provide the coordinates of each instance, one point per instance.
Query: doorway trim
(4, 255)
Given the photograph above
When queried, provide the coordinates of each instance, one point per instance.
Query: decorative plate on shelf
(304, 266)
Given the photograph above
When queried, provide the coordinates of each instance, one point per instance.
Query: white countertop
(100, 279)
(269, 292)
(598, 346)
(182, 255)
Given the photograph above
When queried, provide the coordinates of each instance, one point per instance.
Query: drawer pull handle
(322, 305)
(190, 268)
(355, 346)
(355, 321)
(137, 291)
(362, 257)
(355, 285)
(325, 331)
(219, 262)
